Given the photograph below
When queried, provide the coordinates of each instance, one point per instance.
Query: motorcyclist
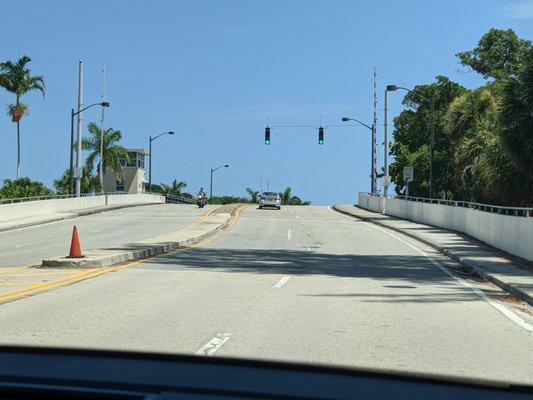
(201, 193)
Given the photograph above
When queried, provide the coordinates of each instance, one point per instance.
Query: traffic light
(267, 135)
(320, 135)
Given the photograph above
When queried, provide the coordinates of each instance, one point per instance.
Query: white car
(270, 199)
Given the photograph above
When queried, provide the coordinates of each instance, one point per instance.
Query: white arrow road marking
(213, 345)
(282, 282)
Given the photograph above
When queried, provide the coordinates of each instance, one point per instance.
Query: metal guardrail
(175, 199)
(516, 211)
(63, 196)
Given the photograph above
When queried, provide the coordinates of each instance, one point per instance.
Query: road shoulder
(470, 254)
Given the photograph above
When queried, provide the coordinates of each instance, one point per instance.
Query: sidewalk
(515, 277)
(59, 216)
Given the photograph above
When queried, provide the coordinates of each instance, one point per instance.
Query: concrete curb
(74, 215)
(140, 250)
(467, 265)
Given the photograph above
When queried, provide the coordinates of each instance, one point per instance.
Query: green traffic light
(267, 141)
(320, 142)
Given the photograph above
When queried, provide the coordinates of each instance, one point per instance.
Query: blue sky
(213, 71)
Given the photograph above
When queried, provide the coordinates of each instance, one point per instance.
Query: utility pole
(79, 128)
(373, 185)
(101, 168)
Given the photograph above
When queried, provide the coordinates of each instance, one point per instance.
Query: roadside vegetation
(483, 137)
(23, 187)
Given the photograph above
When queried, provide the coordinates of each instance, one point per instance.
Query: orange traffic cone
(75, 248)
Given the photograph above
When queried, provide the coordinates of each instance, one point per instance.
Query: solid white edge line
(504, 310)
(213, 345)
(282, 282)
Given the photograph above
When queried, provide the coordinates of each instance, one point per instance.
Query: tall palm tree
(175, 188)
(89, 183)
(287, 195)
(517, 117)
(112, 151)
(254, 194)
(17, 79)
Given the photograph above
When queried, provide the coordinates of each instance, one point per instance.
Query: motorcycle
(202, 201)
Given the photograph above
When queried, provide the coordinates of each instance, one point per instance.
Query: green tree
(90, 183)
(23, 187)
(517, 117)
(471, 121)
(290, 200)
(412, 139)
(16, 78)
(254, 195)
(287, 195)
(228, 200)
(498, 54)
(112, 151)
(175, 189)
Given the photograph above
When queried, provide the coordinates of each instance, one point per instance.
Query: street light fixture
(78, 150)
(211, 181)
(150, 151)
(373, 172)
(392, 88)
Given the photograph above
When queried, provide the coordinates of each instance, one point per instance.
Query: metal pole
(373, 184)
(386, 148)
(150, 166)
(71, 170)
(79, 126)
(211, 187)
(101, 169)
(432, 145)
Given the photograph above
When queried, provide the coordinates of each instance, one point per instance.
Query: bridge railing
(175, 199)
(59, 196)
(516, 211)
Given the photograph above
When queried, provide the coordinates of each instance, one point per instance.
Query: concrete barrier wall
(372, 203)
(506, 232)
(28, 209)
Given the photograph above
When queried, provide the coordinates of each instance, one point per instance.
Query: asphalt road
(31, 244)
(301, 284)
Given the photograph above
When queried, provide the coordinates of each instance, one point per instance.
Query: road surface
(301, 284)
(31, 244)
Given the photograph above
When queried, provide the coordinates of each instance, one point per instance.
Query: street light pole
(211, 187)
(211, 181)
(150, 151)
(150, 166)
(79, 127)
(432, 146)
(386, 179)
(393, 88)
(373, 174)
(71, 170)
